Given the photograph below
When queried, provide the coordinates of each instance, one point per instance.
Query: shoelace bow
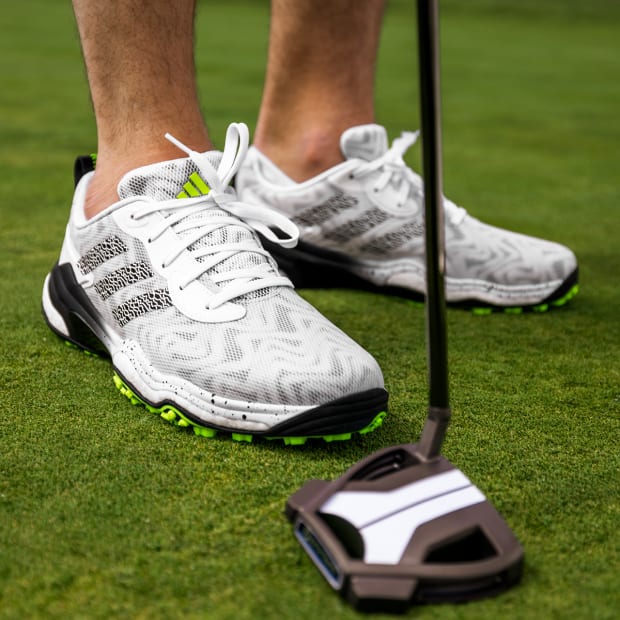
(232, 283)
(393, 167)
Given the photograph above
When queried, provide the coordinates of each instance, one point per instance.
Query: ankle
(303, 155)
(101, 193)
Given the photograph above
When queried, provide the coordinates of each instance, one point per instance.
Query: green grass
(108, 512)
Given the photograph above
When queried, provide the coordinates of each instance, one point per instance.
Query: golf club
(404, 525)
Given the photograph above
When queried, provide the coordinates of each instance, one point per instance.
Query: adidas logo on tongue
(195, 186)
(177, 178)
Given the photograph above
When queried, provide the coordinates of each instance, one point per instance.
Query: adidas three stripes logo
(122, 277)
(195, 186)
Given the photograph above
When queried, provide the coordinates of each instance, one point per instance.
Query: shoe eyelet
(351, 175)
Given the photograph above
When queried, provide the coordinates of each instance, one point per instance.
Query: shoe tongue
(366, 142)
(169, 179)
(163, 180)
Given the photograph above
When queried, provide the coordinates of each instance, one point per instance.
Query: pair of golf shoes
(188, 284)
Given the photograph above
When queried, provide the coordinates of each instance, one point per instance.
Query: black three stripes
(355, 228)
(323, 211)
(141, 304)
(124, 276)
(393, 240)
(121, 278)
(366, 221)
(100, 253)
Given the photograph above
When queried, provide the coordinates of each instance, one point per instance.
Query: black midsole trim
(337, 416)
(564, 288)
(309, 266)
(344, 415)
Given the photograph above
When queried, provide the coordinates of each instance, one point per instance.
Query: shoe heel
(69, 313)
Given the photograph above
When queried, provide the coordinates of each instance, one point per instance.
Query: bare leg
(140, 62)
(320, 80)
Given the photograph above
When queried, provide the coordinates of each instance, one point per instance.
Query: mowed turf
(106, 511)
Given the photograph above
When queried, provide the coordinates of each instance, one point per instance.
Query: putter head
(395, 530)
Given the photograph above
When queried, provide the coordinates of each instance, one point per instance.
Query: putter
(404, 525)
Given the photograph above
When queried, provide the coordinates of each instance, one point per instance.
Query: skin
(139, 57)
(319, 81)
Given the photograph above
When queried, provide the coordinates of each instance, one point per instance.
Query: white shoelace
(393, 167)
(232, 283)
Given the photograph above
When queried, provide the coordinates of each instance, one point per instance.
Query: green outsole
(487, 310)
(539, 308)
(173, 416)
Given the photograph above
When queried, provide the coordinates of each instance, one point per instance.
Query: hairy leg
(320, 80)
(139, 57)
